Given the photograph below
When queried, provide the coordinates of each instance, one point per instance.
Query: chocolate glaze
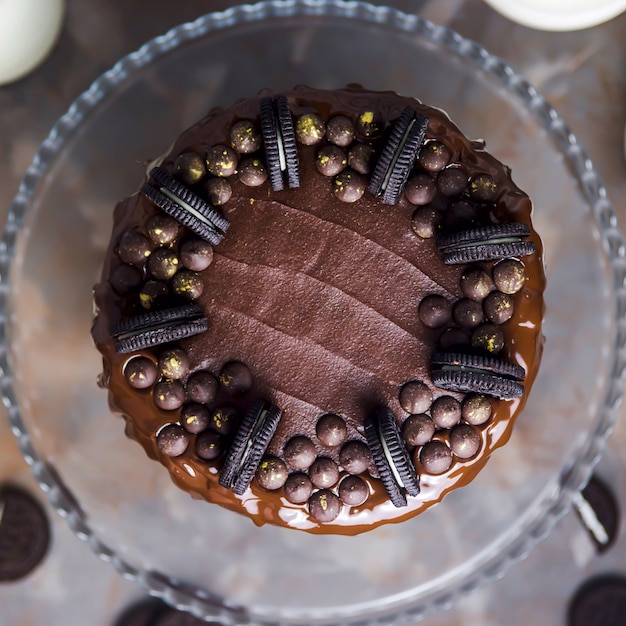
(319, 299)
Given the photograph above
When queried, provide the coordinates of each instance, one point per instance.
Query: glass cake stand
(209, 561)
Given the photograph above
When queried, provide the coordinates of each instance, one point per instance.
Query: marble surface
(581, 73)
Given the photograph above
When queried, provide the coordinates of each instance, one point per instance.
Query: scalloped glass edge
(409, 608)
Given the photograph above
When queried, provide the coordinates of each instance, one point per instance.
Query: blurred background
(583, 75)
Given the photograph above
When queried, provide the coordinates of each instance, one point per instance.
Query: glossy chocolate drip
(319, 299)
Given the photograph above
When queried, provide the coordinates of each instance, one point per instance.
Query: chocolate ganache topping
(322, 309)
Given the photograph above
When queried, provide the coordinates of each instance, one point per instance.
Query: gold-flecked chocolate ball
(245, 137)
(190, 168)
(188, 284)
(476, 409)
(162, 229)
(151, 293)
(369, 124)
(221, 160)
(163, 263)
(310, 129)
(174, 364)
(509, 276)
(272, 473)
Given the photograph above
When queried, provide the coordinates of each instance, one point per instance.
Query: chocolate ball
(209, 445)
(331, 430)
(498, 307)
(236, 378)
(361, 158)
(453, 339)
(298, 488)
(202, 387)
(509, 276)
(272, 473)
(420, 189)
(221, 160)
(418, 429)
(349, 186)
(190, 168)
(140, 372)
(451, 181)
(188, 284)
(355, 457)
(353, 491)
(476, 283)
(153, 292)
(434, 311)
(476, 409)
(168, 395)
(464, 441)
(467, 313)
(434, 156)
(162, 229)
(415, 397)
(225, 420)
(340, 130)
(488, 337)
(483, 188)
(460, 214)
(299, 452)
(324, 506)
(134, 248)
(196, 254)
(252, 172)
(195, 418)
(125, 279)
(324, 472)
(174, 363)
(218, 191)
(446, 412)
(245, 137)
(172, 440)
(330, 160)
(310, 129)
(369, 124)
(425, 222)
(435, 457)
(163, 263)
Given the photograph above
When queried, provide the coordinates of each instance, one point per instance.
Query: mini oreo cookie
(398, 156)
(185, 206)
(598, 510)
(485, 243)
(24, 533)
(279, 140)
(158, 327)
(249, 445)
(477, 374)
(601, 601)
(391, 457)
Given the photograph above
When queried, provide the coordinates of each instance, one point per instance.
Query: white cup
(559, 15)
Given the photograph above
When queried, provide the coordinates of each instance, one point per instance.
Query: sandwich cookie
(398, 156)
(472, 373)
(24, 533)
(279, 140)
(598, 510)
(158, 327)
(485, 243)
(185, 206)
(249, 445)
(600, 601)
(391, 457)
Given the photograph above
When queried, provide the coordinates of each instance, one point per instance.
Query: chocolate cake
(322, 309)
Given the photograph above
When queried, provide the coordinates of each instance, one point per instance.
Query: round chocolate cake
(322, 309)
